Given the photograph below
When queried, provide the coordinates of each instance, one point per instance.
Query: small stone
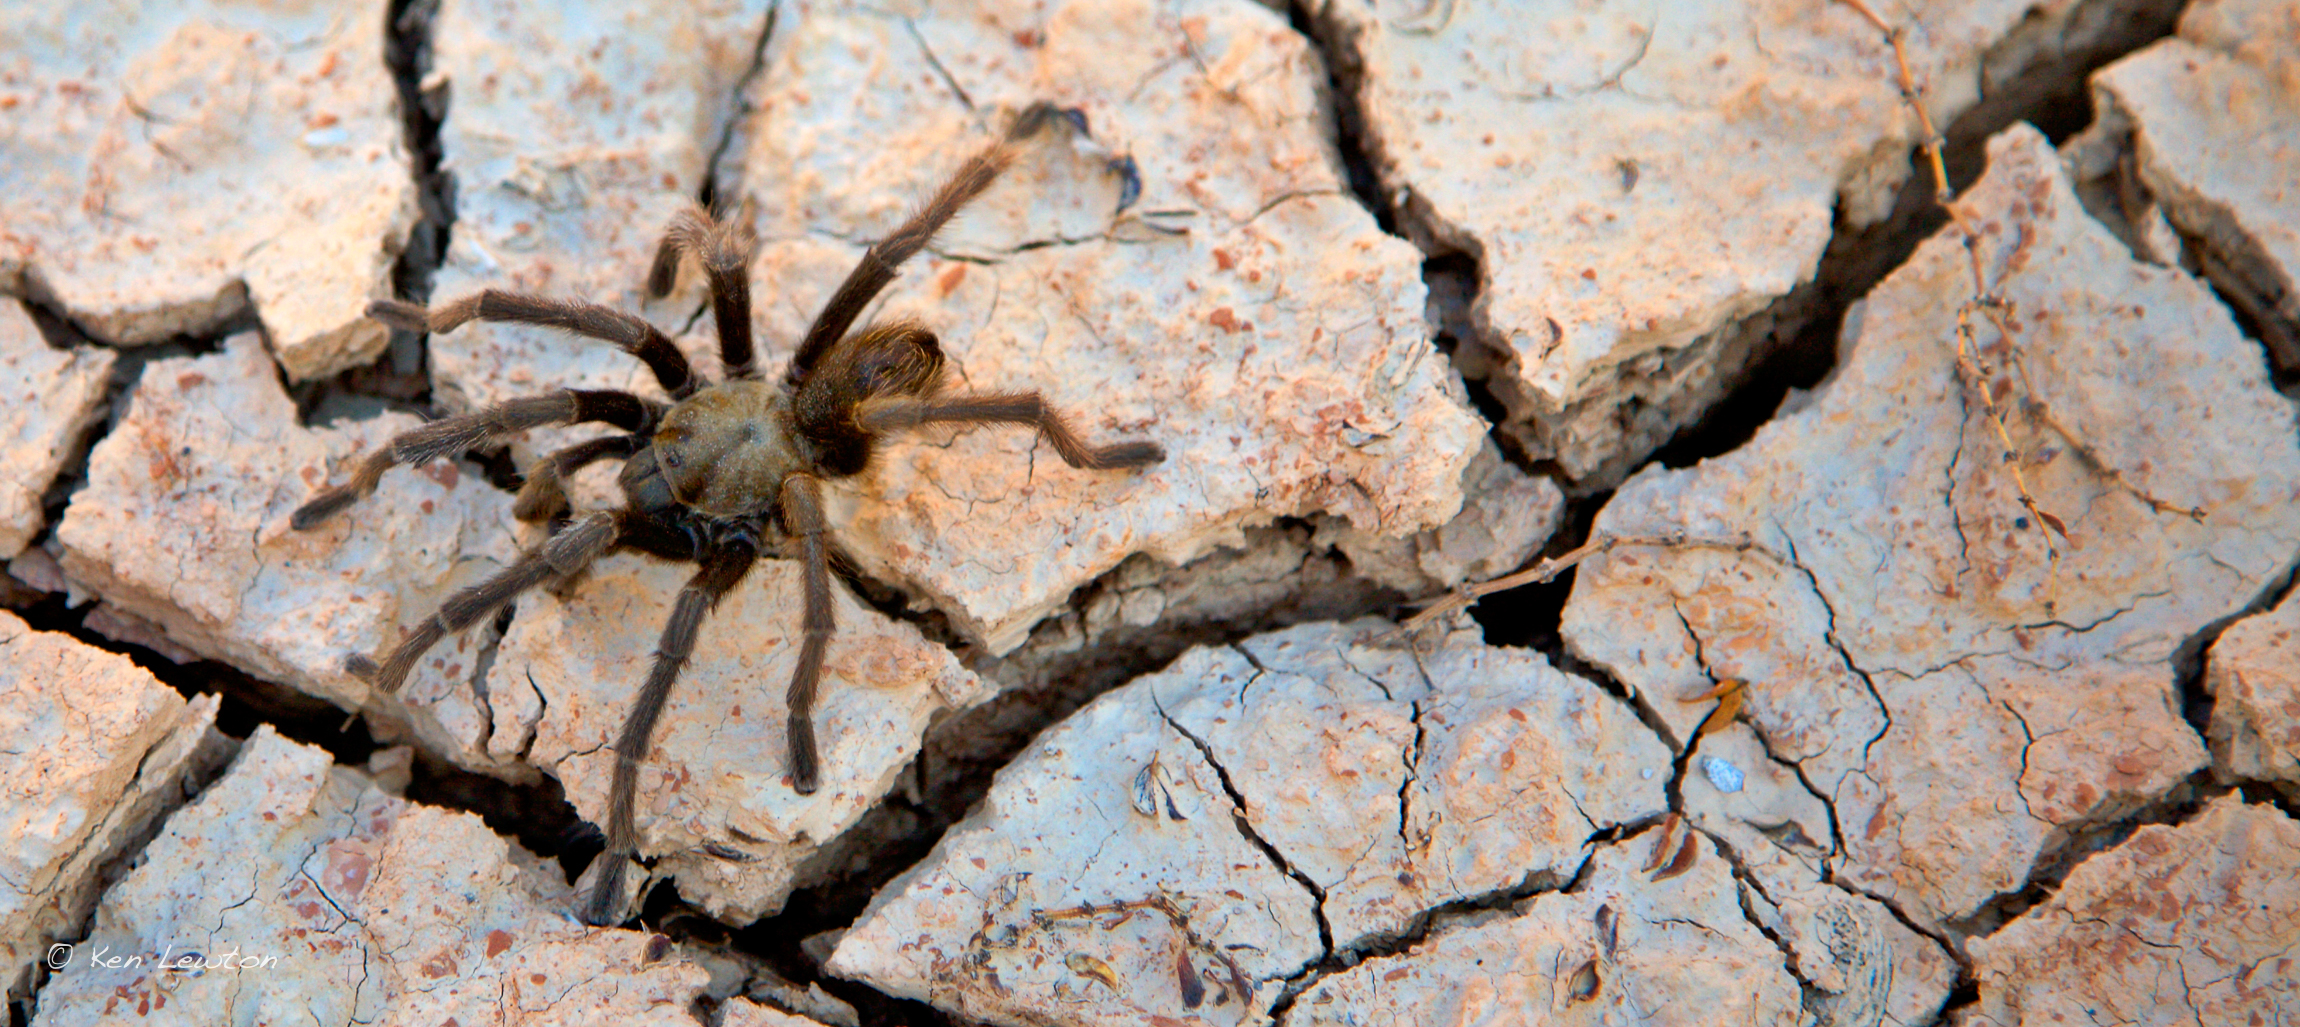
(290, 877)
(96, 751)
(1624, 946)
(2186, 923)
(55, 395)
(1721, 773)
(165, 177)
(38, 570)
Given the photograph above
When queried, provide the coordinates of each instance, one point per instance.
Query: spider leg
(725, 248)
(564, 553)
(628, 332)
(722, 566)
(892, 414)
(543, 496)
(802, 506)
(878, 264)
(449, 436)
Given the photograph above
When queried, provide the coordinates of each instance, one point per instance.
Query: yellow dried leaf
(1728, 694)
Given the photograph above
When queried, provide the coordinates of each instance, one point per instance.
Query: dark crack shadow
(1283, 577)
(719, 182)
(1438, 918)
(400, 379)
(2178, 805)
(2190, 658)
(1073, 664)
(1254, 838)
(1452, 267)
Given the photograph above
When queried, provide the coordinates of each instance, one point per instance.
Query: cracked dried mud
(1917, 645)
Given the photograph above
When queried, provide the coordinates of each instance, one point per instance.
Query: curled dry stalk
(1467, 594)
(1988, 301)
(1974, 373)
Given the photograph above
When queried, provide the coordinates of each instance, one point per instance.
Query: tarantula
(726, 470)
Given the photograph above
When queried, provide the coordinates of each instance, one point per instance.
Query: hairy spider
(728, 469)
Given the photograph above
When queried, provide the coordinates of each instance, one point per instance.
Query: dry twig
(1990, 303)
(1469, 593)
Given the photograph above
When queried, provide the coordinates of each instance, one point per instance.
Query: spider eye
(671, 458)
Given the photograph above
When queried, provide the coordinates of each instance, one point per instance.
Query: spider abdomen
(725, 451)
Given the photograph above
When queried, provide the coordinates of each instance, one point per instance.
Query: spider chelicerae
(728, 469)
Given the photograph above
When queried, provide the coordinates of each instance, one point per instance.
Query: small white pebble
(1725, 776)
(1647, 773)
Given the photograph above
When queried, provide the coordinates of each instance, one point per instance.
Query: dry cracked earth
(1893, 626)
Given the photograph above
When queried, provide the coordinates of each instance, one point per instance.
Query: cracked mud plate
(1191, 843)
(1964, 687)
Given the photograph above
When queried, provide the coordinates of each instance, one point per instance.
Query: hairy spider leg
(628, 332)
(1030, 408)
(802, 510)
(725, 248)
(723, 565)
(450, 436)
(563, 554)
(878, 264)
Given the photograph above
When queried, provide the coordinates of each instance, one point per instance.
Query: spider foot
(604, 904)
(1041, 115)
(327, 504)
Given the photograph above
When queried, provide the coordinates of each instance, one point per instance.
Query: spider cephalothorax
(730, 468)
